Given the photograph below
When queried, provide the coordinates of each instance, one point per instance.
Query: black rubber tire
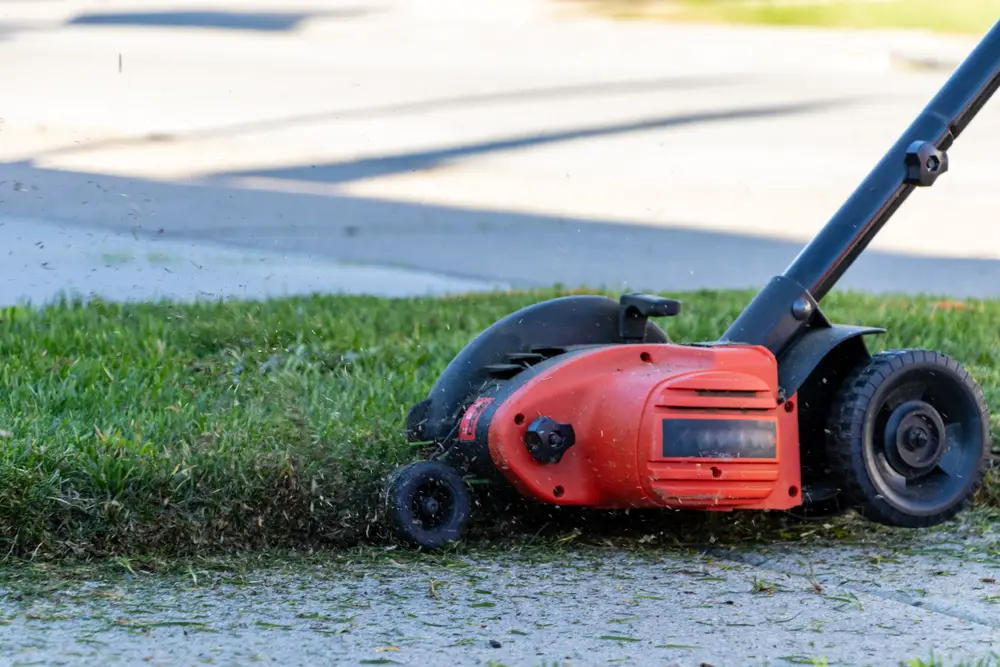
(853, 439)
(404, 491)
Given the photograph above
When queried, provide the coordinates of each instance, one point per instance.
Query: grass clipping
(243, 425)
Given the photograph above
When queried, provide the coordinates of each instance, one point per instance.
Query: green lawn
(948, 16)
(220, 427)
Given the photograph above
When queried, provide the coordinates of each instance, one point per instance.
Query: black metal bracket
(924, 163)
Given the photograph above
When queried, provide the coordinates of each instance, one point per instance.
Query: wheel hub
(914, 438)
(430, 507)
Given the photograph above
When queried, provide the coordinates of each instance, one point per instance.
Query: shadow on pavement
(254, 21)
(525, 250)
(344, 172)
(583, 91)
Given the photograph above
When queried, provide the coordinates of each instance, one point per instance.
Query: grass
(947, 16)
(191, 429)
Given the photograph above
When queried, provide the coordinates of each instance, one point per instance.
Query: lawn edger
(584, 401)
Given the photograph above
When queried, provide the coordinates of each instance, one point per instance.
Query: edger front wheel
(908, 438)
(428, 504)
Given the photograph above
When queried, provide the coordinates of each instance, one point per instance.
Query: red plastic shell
(617, 399)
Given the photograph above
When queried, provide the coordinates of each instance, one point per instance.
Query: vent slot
(717, 399)
(504, 371)
(519, 361)
(731, 393)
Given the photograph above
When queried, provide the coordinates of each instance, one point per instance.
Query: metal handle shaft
(825, 259)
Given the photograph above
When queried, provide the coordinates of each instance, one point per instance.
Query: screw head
(916, 438)
(802, 309)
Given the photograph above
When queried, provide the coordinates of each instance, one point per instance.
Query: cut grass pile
(947, 16)
(221, 427)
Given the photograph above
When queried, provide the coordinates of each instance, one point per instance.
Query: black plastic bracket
(924, 163)
(636, 309)
(811, 348)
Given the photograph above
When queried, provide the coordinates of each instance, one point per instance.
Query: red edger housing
(584, 401)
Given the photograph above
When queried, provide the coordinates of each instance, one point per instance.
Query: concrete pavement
(43, 260)
(522, 143)
(934, 596)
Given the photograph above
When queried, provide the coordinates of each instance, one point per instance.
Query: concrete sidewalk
(878, 606)
(45, 261)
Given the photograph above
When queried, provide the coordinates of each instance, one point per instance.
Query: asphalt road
(496, 144)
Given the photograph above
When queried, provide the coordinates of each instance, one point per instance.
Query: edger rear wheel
(428, 504)
(909, 438)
